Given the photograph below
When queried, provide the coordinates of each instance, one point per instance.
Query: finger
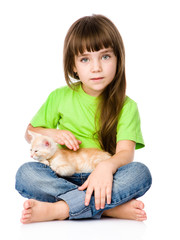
(108, 194)
(67, 141)
(59, 141)
(88, 195)
(73, 138)
(79, 142)
(72, 141)
(68, 145)
(76, 142)
(97, 194)
(63, 141)
(84, 186)
(103, 197)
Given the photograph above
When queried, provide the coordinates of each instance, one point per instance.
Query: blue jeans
(37, 181)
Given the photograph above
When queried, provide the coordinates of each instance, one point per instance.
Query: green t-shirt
(74, 110)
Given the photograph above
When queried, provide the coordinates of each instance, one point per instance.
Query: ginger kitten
(65, 162)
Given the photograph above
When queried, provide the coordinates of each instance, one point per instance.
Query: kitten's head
(42, 147)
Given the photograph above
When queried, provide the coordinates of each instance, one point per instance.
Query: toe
(140, 215)
(140, 212)
(28, 204)
(27, 211)
(25, 220)
(141, 219)
(138, 204)
(26, 216)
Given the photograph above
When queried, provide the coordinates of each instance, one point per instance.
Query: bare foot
(132, 210)
(36, 211)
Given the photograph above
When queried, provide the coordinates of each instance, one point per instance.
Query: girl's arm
(100, 180)
(124, 154)
(61, 137)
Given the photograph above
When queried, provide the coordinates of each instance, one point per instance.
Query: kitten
(65, 162)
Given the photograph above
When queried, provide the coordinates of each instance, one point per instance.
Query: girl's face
(96, 70)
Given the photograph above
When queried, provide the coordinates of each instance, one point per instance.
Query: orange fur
(65, 162)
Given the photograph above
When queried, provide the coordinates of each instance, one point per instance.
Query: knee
(25, 175)
(24, 171)
(135, 172)
(142, 172)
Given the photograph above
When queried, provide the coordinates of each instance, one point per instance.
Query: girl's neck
(89, 92)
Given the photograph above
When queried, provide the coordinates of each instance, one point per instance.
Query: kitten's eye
(31, 150)
(36, 151)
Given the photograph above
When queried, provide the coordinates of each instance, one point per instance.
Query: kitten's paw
(45, 162)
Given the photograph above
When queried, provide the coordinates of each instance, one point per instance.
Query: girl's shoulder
(129, 108)
(129, 102)
(60, 92)
(66, 89)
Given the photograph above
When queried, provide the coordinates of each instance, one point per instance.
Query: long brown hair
(93, 33)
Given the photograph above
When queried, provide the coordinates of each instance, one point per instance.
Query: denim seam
(86, 209)
(59, 197)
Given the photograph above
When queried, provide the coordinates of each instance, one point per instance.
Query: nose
(96, 66)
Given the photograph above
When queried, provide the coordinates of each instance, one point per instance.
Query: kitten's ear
(46, 143)
(33, 134)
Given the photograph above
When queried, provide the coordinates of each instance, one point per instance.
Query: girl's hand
(99, 182)
(64, 137)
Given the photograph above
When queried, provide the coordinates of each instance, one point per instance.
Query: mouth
(96, 79)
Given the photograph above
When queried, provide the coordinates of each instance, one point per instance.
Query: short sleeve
(48, 115)
(129, 125)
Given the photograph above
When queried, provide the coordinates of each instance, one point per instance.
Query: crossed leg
(37, 211)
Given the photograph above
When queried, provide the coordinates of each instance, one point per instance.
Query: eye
(105, 57)
(84, 60)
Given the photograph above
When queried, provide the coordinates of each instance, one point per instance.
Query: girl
(91, 112)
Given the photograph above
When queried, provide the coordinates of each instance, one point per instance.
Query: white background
(31, 44)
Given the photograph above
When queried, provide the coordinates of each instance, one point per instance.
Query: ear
(46, 143)
(74, 69)
(33, 134)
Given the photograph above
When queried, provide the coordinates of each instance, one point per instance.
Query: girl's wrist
(111, 166)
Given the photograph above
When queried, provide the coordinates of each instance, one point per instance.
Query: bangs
(90, 36)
